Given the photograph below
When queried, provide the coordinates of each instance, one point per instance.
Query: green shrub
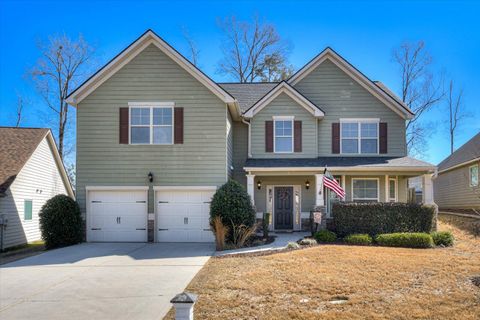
(232, 203)
(377, 218)
(293, 245)
(61, 222)
(308, 242)
(325, 236)
(405, 239)
(443, 238)
(362, 239)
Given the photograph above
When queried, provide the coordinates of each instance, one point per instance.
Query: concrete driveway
(100, 281)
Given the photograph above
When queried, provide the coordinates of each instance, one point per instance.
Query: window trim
(367, 199)
(31, 213)
(470, 176)
(151, 106)
(396, 190)
(359, 121)
(283, 118)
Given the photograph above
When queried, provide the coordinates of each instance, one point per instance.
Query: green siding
(340, 96)
(240, 151)
(283, 105)
(151, 76)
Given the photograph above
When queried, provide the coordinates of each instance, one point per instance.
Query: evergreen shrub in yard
(406, 240)
(358, 239)
(61, 223)
(376, 218)
(325, 236)
(443, 238)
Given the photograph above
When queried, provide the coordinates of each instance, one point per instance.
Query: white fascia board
(292, 93)
(116, 188)
(354, 169)
(182, 188)
(460, 165)
(125, 57)
(354, 74)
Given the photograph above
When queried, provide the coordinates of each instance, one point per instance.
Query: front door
(283, 208)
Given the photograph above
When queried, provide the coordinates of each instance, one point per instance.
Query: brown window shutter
(124, 125)
(383, 132)
(297, 134)
(268, 136)
(178, 126)
(335, 137)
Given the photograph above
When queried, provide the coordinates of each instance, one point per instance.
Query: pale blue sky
(364, 32)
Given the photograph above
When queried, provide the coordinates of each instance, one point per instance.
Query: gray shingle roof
(248, 93)
(469, 151)
(341, 162)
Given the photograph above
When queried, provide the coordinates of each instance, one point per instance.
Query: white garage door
(117, 216)
(183, 215)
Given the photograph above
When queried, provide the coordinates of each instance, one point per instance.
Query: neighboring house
(456, 184)
(150, 115)
(31, 172)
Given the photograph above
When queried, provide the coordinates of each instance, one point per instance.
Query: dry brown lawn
(380, 283)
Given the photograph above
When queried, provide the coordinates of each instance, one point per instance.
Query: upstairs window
(359, 136)
(151, 125)
(283, 135)
(473, 170)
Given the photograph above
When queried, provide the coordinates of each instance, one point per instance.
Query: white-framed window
(283, 134)
(392, 190)
(151, 123)
(473, 173)
(359, 136)
(365, 189)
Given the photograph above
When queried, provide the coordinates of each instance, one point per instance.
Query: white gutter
(460, 165)
(249, 139)
(356, 169)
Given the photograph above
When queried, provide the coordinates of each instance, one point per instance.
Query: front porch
(290, 195)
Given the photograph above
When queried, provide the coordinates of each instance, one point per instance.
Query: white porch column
(387, 188)
(251, 187)
(319, 201)
(427, 189)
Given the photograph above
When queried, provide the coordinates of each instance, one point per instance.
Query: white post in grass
(251, 187)
(319, 202)
(183, 304)
(427, 189)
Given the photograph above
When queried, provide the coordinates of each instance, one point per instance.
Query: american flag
(332, 184)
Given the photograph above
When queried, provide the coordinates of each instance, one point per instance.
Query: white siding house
(37, 174)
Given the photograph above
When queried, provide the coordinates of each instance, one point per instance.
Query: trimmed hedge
(362, 239)
(377, 218)
(61, 223)
(325, 236)
(406, 240)
(443, 238)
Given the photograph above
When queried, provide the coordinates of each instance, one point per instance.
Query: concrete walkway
(281, 241)
(100, 281)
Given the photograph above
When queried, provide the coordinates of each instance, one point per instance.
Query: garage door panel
(117, 216)
(183, 216)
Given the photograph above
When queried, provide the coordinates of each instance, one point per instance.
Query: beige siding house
(31, 173)
(456, 184)
(156, 137)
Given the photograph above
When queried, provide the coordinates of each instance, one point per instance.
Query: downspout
(249, 139)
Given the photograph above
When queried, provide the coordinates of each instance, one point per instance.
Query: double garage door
(182, 215)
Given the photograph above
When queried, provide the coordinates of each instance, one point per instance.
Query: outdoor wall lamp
(307, 184)
(150, 177)
(259, 184)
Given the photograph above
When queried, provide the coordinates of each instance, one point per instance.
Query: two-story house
(156, 137)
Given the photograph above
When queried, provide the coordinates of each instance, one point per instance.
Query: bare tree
(274, 68)
(60, 67)
(192, 46)
(20, 105)
(455, 112)
(250, 48)
(420, 90)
